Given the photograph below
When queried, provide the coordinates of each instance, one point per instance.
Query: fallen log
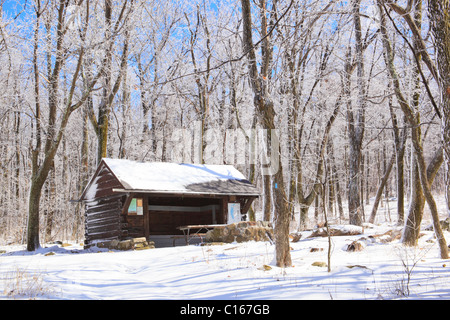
(338, 230)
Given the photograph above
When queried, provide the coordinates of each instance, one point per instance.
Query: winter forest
(324, 105)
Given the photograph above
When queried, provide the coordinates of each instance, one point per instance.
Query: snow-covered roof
(165, 177)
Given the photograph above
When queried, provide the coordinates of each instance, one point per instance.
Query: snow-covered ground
(244, 271)
(236, 271)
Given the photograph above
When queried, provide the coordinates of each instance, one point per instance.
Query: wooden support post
(247, 204)
(127, 203)
(224, 203)
(146, 217)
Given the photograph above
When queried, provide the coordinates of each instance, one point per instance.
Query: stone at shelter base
(241, 232)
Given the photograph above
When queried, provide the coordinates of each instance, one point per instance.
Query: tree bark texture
(356, 126)
(380, 189)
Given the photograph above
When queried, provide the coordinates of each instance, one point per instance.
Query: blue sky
(12, 7)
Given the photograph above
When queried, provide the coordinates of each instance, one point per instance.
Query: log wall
(103, 208)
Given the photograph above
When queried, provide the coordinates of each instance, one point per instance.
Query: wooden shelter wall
(105, 183)
(187, 201)
(135, 226)
(102, 218)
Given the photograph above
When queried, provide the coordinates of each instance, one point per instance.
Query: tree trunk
(380, 189)
(51, 203)
(101, 124)
(104, 108)
(354, 201)
(429, 197)
(83, 171)
(336, 179)
(361, 186)
(36, 189)
(447, 191)
(282, 220)
(400, 145)
(267, 209)
(411, 229)
(264, 108)
(33, 242)
(40, 170)
(125, 110)
(331, 192)
(356, 125)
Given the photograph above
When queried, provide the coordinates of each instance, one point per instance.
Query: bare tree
(440, 21)
(356, 123)
(413, 120)
(110, 86)
(303, 44)
(301, 68)
(266, 112)
(55, 130)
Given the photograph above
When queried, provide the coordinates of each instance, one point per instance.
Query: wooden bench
(177, 237)
(199, 235)
(188, 237)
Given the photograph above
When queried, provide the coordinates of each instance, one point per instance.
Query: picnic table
(200, 231)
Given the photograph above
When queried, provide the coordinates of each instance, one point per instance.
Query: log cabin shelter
(128, 199)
